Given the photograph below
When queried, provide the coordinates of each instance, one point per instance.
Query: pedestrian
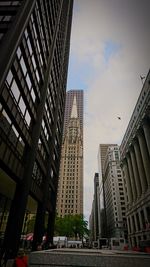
(21, 260)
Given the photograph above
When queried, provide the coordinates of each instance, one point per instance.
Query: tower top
(74, 113)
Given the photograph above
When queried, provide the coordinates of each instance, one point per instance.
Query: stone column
(145, 215)
(128, 182)
(140, 219)
(146, 128)
(132, 179)
(129, 225)
(136, 173)
(145, 156)
(137, 221)
(133, 223)
(136, 225)
(140, 166)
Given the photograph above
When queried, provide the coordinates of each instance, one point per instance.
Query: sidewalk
(88, 258)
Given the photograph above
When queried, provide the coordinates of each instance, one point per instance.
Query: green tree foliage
(71, 226)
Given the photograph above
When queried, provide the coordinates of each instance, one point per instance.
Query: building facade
(94, 220)
(91, 224)
(102, 151)
(135, 158)
(114, 191)
(70, 188)
(34, 51)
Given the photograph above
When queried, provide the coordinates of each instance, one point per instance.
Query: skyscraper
(94, 216)
(114, 192)
(69, 102)
(34, 51)
(102, 151)
(70, 189)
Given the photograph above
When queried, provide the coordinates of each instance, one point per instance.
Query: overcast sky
(110, 49)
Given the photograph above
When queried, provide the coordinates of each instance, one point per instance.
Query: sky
(110, 50)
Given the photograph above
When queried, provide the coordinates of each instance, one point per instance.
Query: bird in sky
(142, 77)
(119, 118)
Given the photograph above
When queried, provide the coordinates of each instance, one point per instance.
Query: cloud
(109, 51)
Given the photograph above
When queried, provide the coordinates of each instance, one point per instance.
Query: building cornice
(140, 115)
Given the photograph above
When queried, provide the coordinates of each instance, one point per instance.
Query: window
(9, 77)
(15, 90)
(24, 69)
(27, 117)
(28, 81)
(19, 53)
(22, 105)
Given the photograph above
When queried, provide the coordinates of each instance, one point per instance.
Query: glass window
(23, 66)
(9, 77)
(33, 95)
(22, 105)
(6, 116)
(26, 33)
(27, 118)
(33, 61)
(15, 131)
(37, 75)
(34, 30)
(28, 81)
(15, 90)
(29, 46)
(19, 53)
(38, 46)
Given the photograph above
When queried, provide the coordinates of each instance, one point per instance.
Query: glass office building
(34, 51)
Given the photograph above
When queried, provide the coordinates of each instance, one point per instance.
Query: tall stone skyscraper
(34, 52)
(114, 192)
(69, 102)
(70, 189)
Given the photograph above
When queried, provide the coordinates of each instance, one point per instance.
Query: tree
(71, 226)
(63, 226)
(80, 226)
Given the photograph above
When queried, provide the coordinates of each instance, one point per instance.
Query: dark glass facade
(34, 51)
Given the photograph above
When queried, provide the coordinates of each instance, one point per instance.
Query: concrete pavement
(89, 258)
